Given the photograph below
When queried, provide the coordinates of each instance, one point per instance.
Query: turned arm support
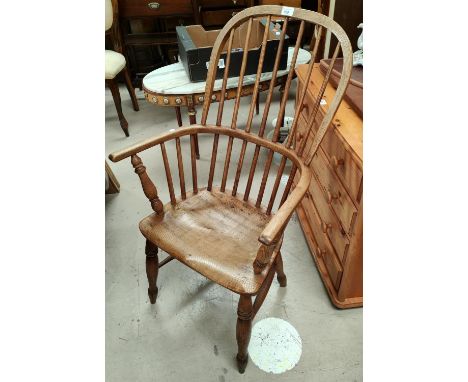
(264, 254)
(274, 228)
(148, 186)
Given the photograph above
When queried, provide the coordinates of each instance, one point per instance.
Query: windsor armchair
(227, 237)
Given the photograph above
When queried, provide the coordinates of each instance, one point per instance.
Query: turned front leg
(152, 268)
(243, 330)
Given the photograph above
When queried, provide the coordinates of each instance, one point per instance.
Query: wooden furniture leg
(118, 104)
(280, 276)
(257, 105)
(193, 121)
(114, 185)
(152, 268)
(243, 330)
(178, 116)
(131, 89)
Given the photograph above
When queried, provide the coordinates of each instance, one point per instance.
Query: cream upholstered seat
(109, 15)
(115, 62)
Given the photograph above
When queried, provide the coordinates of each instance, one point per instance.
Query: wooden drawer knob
(337, 162)
(325, 226)
(331, 197)
(320, 252)
(153, 5)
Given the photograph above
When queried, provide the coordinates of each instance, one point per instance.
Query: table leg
(178, 115)
(193, 121)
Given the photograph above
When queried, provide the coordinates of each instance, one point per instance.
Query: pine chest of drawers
(331, 212)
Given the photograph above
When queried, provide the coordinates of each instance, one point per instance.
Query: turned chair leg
(243, 330)
(131, 89)
(280, 276)
(112, 84)
(152, 267)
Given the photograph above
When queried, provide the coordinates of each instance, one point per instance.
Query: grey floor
(189, 334)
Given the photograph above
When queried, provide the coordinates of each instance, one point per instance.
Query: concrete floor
(189, 334)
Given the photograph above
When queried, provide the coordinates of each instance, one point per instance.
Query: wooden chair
(115, 63)
(221, 234)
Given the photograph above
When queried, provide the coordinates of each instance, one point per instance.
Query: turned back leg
(112, 84)
(152, 268)
(243, 330)
(131, 89)
(280, 276)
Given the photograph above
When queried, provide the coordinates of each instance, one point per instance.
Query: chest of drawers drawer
(324, 249)
(343, 165)
(335, 194)
(329, 223)
(222, 3)
(217, 17)
(138, 8)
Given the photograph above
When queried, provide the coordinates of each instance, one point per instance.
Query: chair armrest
(274, 228)
(150, 142)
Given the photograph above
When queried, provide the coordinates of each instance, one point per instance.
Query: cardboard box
(195, 45)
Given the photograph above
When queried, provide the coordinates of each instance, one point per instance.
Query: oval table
(171, 86)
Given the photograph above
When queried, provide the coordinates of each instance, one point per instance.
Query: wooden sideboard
(331, 211)
(148, 28)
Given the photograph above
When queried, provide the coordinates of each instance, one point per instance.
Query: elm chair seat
(216, 218)
(115, 62)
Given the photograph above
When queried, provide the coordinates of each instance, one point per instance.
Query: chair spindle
(168, 174)
(300, 103)
(279, 120)
(241, 74)
(266, 110)
(279, 174)
(236, 104)
(219, 118)
(253, 104)
(180, 164)
(194, 164)
(284, 100)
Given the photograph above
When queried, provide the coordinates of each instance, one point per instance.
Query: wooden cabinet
(148, 28)
(148, 32)
(129, 8)
(331, 212)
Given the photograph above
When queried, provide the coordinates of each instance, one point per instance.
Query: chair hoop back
(322, 25)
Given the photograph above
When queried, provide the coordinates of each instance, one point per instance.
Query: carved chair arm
(148, 186)
(117, 156)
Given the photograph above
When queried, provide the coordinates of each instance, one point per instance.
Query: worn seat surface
(214, 234)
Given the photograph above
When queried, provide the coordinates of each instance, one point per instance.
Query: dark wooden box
(195, 45)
